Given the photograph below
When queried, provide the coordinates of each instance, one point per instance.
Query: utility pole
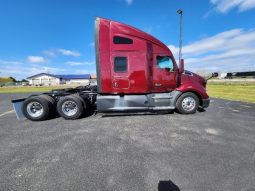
(180, 12)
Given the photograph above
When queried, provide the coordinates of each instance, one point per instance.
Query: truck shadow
(92, 111)
(104, 115)
(200, 110)
(89, 112)
(167, 185)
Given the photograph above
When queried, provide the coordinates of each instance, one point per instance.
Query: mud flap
(17, 105)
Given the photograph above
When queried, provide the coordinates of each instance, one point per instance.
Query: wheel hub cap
(69, 108)
(34, 109)
(188, 103)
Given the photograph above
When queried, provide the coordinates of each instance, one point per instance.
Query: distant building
(93, 80)
(230, 75)
(51, 79)
(222, 75)
(93, 76)
(244, 74)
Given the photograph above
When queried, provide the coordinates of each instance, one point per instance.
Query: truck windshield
(165, 62)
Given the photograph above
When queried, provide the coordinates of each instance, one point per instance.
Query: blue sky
(57, 36)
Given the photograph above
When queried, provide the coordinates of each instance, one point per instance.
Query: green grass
(28, 89)
(232, 91)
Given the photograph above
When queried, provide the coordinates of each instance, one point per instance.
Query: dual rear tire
(39, 108)
(71, 107)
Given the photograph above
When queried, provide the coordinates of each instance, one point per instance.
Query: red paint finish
(194, 83)
(142, 74)
(164, 80)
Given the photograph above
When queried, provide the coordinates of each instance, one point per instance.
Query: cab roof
(132, 31)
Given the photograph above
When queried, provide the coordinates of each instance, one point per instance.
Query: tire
(36, 108)
(48, 98)
(187, 103)
(52, 103)
(81, 99)
(70, 107)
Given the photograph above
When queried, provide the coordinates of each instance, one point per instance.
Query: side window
(122, 40)
(120, 64)
(165, 62)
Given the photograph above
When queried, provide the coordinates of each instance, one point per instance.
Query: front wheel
(187, 103)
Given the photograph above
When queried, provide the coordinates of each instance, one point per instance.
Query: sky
(57, 36)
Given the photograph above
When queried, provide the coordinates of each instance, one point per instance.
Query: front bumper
(205, 103)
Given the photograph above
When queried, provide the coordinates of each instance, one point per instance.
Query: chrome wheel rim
(35, 109)
(69, 108)
(188, 103)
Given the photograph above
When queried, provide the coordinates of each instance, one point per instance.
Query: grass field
(232, 91)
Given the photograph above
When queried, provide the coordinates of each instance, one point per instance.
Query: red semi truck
(135, 72)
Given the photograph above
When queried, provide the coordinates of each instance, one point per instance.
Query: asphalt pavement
(212, 150)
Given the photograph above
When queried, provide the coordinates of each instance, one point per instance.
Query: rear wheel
(70, 107)
(36, 108)
(187, 103)
(52, 104)
(48, 98)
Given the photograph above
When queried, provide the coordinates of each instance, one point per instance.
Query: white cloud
(49, 53)
(232, 50)
(7, 62)
(92, 44)
(62, 51)
(128, 2)
(225, 6)
(72, 63)
(36, 59)
(69, 52)
(246, 5)
(28, 70)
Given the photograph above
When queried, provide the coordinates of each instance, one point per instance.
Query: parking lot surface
(212, 150)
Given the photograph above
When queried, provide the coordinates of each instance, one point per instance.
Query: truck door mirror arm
(181, 66)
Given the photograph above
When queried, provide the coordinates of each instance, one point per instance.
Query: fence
(11, 84)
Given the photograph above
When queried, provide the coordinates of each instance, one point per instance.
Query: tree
(13, 79)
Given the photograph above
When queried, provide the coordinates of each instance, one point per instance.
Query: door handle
(158, 85)
(116, 84)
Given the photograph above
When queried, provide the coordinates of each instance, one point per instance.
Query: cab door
(164, 74)
(120, 72)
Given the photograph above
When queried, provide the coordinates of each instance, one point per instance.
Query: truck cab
(135, 71)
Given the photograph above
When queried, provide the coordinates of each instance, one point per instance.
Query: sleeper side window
(122, 40)
(120, 64)
(165, 62)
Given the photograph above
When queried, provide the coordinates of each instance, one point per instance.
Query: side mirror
(215, 74)
(181, 66)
